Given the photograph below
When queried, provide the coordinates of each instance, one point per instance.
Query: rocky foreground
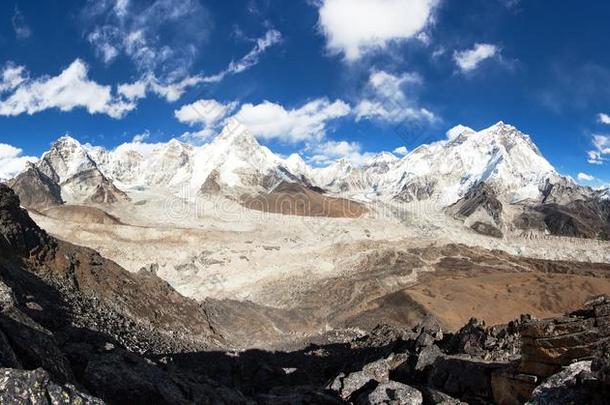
(77, 328)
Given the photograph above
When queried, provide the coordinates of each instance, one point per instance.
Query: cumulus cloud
(385, 99)
(12, 161)
(209, 115)
(401, 151)
(355, 27)
(204, 112)
(468, 60)
(269, 120)
(70, 89)
(585, 177)
(603, 118)
(22, 30)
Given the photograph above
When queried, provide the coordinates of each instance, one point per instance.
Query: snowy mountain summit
(234, 162)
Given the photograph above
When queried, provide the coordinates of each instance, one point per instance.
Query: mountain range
(495, 180)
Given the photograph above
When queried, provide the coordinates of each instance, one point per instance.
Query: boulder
(391, 393)
(36, 387)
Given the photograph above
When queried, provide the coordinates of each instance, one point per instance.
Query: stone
(391, 393)
(36, 387)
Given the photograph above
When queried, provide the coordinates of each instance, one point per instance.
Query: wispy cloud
(601, 143)
(22, 30)
(160, 36)
(272, 37)
(173, 90)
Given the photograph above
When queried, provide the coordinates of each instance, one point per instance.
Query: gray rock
(392, 393)
(36, 388)
(563, 387)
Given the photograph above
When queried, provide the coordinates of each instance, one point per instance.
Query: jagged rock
(464, 377)
(486, 229)
(550, 344)
(298, 396)
(601, 364)
(435, 397)
(375, 372)
(36, 190)
(36, 387)
(479, 197)
(498, 343)
(573, 385)
(392, 393)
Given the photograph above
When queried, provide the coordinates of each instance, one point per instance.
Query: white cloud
(602, 143)
(602, 148)
(272, 37)
(207, 113)
(71, 89)
(22, 30)
(269, 120)
(12, 162)
(470, 59)
(12, 76)
(401, 151)
(585, 177)
(603, 118)
(595, 158)
(324, 153)
(173, 90)
(386, 100)
(140, 138)
(159, 36)
(355, 27)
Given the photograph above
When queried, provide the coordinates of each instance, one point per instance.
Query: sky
(324, 78)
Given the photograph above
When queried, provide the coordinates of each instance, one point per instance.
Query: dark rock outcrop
(549, 345)
(36, 190)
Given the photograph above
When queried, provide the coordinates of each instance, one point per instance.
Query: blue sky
(327, 78)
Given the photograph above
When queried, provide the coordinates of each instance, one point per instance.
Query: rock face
(36, 190)
(71, 168)
(549, 345)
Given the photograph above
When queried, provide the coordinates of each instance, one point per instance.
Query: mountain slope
(499, 156)
(69, 166)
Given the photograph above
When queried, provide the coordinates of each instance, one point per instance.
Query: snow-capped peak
(458, 130)
(382, 158)
(66, 158)
(499, 155)
(296, 165)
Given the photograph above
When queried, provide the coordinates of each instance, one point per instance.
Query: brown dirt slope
(81, 214)
(294, 199)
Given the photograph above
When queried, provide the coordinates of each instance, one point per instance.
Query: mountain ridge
(236, 165)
